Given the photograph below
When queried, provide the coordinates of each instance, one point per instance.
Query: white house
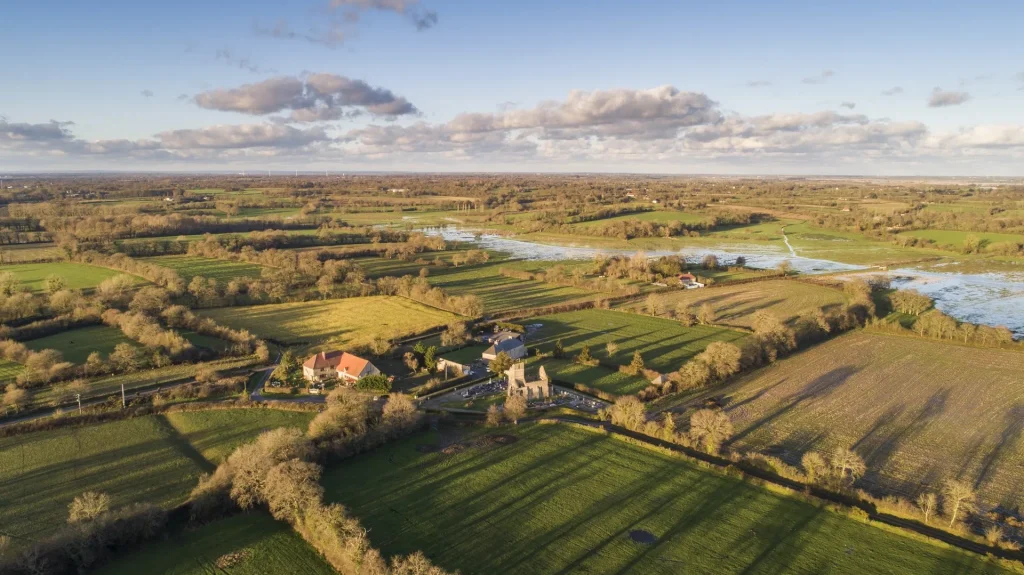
(508, 342)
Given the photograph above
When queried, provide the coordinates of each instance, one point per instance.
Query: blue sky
(89, 64)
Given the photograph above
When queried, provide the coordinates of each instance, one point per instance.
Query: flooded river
(986, 298)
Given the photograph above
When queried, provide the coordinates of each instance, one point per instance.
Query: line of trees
(419, 289)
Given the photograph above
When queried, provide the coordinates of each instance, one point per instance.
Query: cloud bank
(314, 98)
(661, 127)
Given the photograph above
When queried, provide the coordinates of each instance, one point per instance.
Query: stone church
(529, 387)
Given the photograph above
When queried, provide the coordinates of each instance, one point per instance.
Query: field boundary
(835, 502)
(95, 418)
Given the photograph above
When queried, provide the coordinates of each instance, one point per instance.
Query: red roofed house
(689, 281)
(328, 365)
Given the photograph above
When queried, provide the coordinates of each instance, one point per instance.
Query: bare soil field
(918, 411)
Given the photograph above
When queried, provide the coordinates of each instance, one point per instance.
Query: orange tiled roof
(342, 361)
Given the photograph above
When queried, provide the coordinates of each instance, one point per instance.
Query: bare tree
(455, 334)
(706, 315)
(88, 506)
(290, 486)
(628, 412)
(848, 465)
(959, 498)
(493, 416)
(710, 428)
(380, 346)
(928, 502)
(399, 411)
(611, 348)
(15, 398)
(515, 408)
(815, 466)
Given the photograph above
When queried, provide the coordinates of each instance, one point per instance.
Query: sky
(737, 87)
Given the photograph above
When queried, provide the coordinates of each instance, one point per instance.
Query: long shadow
(183, 445)
(1013, 427)
(776, 542)
(881, 448)
(706, 511)
(725, 401)
(820, 387)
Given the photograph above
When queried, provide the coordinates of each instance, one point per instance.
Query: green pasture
(598, 377)
(135, 380)
(500, 293)
(957, 238)
(664, 344)
(221, 270)
(563, 500)
(77, 276)
(261, 544)
(9, 371)
(155, 459)
(77, 344)
(347, 322)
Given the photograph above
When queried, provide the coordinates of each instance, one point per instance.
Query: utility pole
(124, 403)
(78, 396)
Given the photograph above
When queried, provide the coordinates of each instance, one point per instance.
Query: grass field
(207, 341)
(956, 239)
(267, 546)
(659, 216)
(664, 344)
(500, 293)
(78, 276)
(735, 305)
(77, 344)
(155, 458)
(381, 266)
(918, 411)
(351, 321)
(598, 377)
(257, 212)
(9, 371)
(849, 247)
(564, 500)
(15, 253)
(221, 270)
(141, 379)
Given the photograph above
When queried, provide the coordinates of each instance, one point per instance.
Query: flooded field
(995, 298)
(758, 256)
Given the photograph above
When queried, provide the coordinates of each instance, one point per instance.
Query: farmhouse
(530, 388)
(328, 365)
(689, 281)
(509, 342)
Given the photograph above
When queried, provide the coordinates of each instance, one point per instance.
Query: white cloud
(316, 97)
(941, 98)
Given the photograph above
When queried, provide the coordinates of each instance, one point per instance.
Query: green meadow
(77, 344)
(77, 276)
(260, 545)
(663, 343)
(221, 270)
(556, 499)
(155, 459)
